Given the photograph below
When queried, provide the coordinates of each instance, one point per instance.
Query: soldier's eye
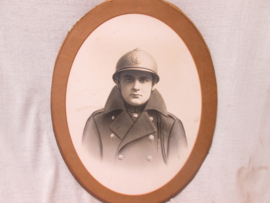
(143, 80)
(129, 79)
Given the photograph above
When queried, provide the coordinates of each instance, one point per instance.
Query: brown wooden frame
(177, 20)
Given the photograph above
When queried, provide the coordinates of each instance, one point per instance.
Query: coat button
(113, 117)
(149, 158)
(121, 157)
(112, 136)
(151, 137)
(151, 118)
(135, 115)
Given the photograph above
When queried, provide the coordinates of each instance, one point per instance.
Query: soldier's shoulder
(175, 118)
(168, 120)
(94, 114)
(97, 112)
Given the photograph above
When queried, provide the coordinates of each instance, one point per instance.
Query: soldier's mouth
(135, 95)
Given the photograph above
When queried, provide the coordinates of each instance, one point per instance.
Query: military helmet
(137, 60)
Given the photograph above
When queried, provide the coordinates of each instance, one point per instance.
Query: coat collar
(115, 102)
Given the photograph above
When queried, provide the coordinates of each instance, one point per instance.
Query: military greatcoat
(148, 137)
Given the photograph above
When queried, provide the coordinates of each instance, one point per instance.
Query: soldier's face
(136, 86)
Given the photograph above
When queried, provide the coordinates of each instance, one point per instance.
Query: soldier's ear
(154, 86)
(154, 79)
(117, 82)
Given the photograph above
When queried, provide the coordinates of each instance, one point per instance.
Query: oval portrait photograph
(133, 103)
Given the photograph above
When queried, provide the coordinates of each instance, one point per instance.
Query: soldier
(134, 127)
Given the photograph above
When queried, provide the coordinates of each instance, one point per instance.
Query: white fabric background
(238, 164)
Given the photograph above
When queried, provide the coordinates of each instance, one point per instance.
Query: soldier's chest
(145, 150)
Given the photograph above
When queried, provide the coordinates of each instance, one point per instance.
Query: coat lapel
(121, 124)
(142, 127)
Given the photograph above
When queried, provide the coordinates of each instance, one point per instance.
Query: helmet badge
(136, 58)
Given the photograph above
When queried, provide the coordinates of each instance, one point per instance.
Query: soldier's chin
(135, 102)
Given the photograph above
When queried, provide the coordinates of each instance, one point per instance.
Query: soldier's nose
(136, 89)
(136, 86)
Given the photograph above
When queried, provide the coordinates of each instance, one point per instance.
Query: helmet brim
(137, 69)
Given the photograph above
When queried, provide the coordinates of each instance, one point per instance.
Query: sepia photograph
(133, 104)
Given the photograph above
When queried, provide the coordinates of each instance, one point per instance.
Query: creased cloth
(237, 166)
